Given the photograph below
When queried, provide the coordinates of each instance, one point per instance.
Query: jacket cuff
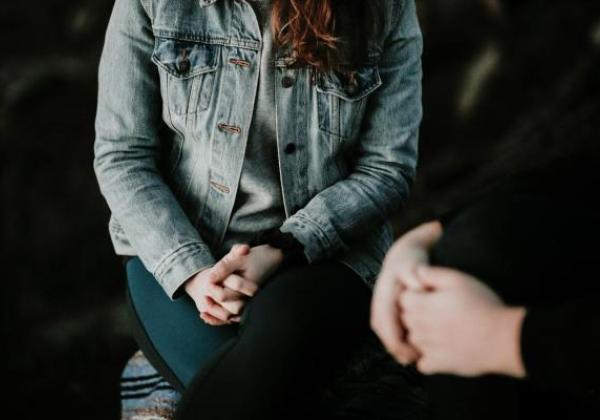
(173, 271)
(320, 241)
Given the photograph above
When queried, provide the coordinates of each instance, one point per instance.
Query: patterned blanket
(145, 395)
(373, 388)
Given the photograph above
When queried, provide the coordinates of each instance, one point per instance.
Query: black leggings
(295, 335)
(532, 249)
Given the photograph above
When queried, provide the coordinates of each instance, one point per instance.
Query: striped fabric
(145, 395)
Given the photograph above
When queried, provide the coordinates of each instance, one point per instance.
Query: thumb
(229, 263)
(240, 249)
(426, 235)
(437, 277)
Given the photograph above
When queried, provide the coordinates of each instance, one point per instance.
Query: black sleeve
(560, 345)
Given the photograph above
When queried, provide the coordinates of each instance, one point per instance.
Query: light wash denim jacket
(177, 85)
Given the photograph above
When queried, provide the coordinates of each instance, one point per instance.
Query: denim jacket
(177, 85)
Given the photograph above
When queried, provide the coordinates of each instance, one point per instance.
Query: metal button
(352, 88)
(287, 82)
(223, 188)
(351, 83)
(229, 128)
(290, 148)
(184, 66)
(239, 62)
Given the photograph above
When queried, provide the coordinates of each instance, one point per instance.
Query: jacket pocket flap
(351, 87)
(184, 59)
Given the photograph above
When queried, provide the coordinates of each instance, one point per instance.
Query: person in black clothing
(497, 304)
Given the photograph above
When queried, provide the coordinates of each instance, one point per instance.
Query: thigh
(528, 247)
(296, 335)
(314, 314)
(326, 298)
(170, 333)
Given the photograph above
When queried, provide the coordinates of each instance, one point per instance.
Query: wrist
(290, 250)
(507, 349)
(277, 253)
(189, 283)
(188, 286)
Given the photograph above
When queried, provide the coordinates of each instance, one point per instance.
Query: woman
(287, 126)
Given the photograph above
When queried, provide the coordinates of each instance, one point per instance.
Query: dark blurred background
(509, 86)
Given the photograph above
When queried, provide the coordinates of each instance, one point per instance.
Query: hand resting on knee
(222, 290)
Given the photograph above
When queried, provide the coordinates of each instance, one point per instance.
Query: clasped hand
(443, 320)
(220, 292)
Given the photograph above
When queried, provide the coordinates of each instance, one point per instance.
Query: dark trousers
(533, 247)
(295, 335)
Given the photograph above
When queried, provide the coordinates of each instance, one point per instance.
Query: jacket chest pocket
(342, 99)
(187, 70)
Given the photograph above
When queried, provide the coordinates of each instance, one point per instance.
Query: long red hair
(324, 34)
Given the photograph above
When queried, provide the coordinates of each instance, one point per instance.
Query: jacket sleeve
(560, 345)
(385, 166)
(126, 152)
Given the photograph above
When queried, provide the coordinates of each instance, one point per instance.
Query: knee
(281, 308)
(324, 303)
(469, 239)
(492, 229)
(504, 240)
